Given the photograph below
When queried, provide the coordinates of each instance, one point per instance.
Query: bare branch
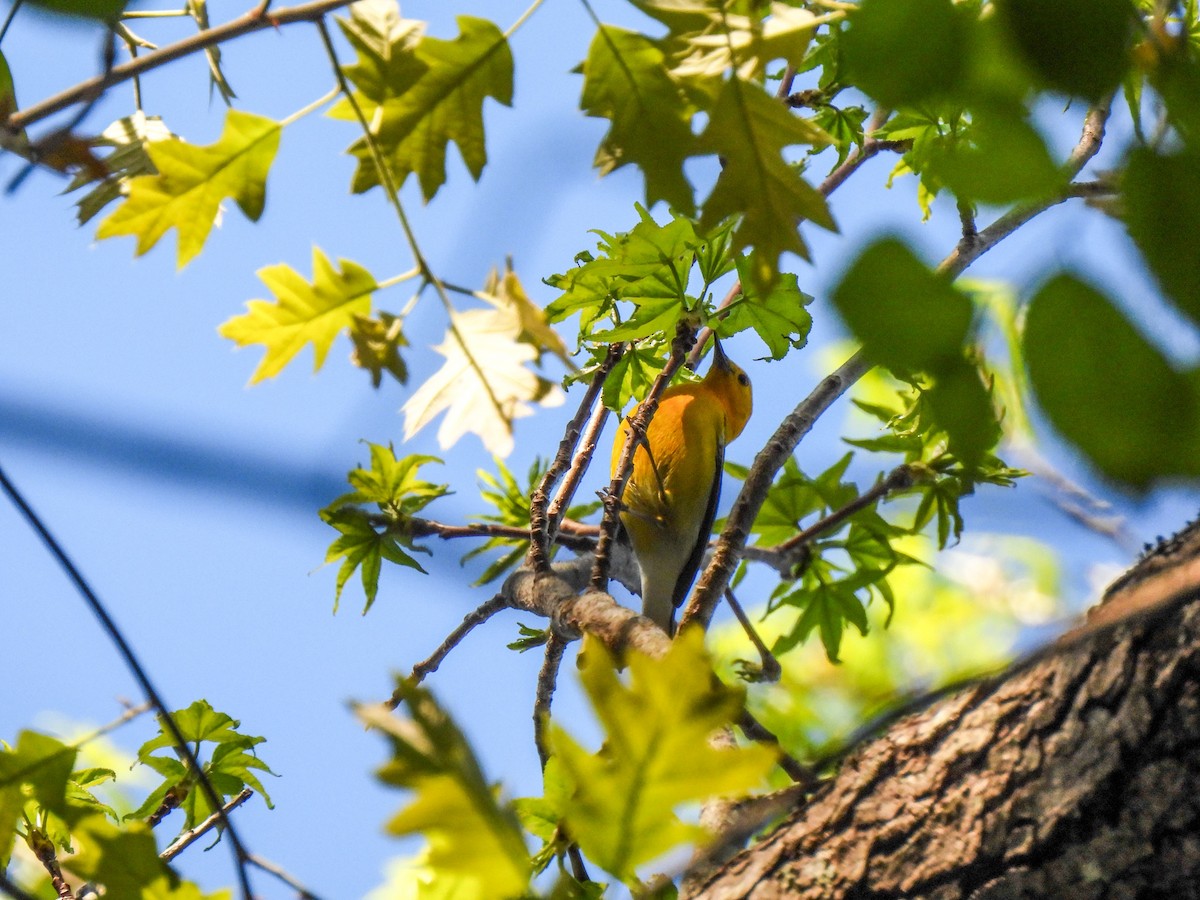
(1089, 145)
(430, 665)
(247, 23)
(547, 681)
(539, 521)
(591, 437)
(266, 865)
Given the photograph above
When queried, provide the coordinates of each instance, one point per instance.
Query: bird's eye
(743, 379)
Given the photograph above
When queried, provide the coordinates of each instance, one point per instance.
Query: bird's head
(731, 384)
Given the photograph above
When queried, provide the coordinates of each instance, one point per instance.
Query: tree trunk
(1073, 775)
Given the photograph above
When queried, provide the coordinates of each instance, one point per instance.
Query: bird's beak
(720, 360)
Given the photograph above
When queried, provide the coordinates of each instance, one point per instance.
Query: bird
(670, 499)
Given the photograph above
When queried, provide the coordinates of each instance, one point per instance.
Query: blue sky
(189, 499)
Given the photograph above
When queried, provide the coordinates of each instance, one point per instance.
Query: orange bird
(670, 499)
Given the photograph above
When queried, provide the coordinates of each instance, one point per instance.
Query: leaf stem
(310, 108)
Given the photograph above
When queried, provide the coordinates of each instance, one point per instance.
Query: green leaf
(228, 766)
(416, 120)
(8, 94)
(529, 638)
(186, 193)
(377, 342)
(778, 316)
(907, 317)
(474, 844)
(648, 266)
(905, 53)
(394, 486)
(123, 859)
(750, 130)
(656, 754)
(632, 376)
(962, 407)
(388, 65)
(1161, 195)
(1107, 390)
(302, 313)
(102, 10)
(1079, 47)
(393, 483)
(362, 547)
(626, 81)
(997, 158)
(37, 769)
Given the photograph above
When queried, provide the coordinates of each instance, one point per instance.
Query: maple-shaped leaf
(387, 63)
(484, 384)
(377, 343)
(778, 315)
(657, 754)
(128, 138)
(626, 81)
(475, 850)
(507, 293)
(749, 130)
(395, 486)
(415, 120)
(648, 266)
(192, 181)
(303, 312)
(701, 56)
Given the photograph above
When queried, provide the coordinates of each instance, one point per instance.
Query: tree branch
(546, 683)
(430, 665)
(190, 836)
(540, 526)
(247, 23)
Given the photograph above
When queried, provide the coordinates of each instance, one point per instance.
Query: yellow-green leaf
(415, 121)
(192, 181)
(302, 312)
(475, 850)
(657, 754)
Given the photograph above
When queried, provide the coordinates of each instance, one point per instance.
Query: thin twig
(899, 479)
(638, 423)
(540, 537)
(418, 527)
(796, 770)
(579, 465)
(275, 869)
(12, 890)
(769, 668)
(430, 665)
(125, 650)
(547, 681)
(94, 87)
(190, 836)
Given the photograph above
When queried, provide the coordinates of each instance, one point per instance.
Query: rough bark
(1074, 775)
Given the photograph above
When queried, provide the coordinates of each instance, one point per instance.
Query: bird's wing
(688, 573)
